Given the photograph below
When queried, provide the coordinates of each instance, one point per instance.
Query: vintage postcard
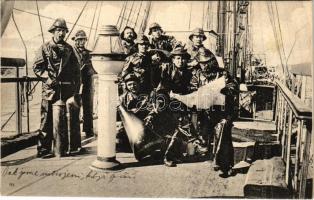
(157, 99)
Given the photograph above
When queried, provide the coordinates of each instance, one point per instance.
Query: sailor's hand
(193, 63)
(78, 99)
(156, 58)
(52, 82)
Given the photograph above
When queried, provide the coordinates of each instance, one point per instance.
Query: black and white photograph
(157, 99)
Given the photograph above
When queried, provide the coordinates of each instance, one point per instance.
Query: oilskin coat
(87, 71)
(175, 79)
(55, 64)
(165, 42)
(193, 50)
(129, 47)
(218, 120)
(141, 66)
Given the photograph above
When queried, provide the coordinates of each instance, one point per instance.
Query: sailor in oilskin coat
(87, 72)
(159, 40)
(128, 36)
(56, 64)
(176, 77)
(197, 37)
(140, 64)
(217, 121)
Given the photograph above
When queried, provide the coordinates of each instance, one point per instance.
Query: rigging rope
(91, 26)
(41, 28)
(120, 14)
(203, 17)
(279, 48)
(145, 17)
(98, 20)
(124, 9)
(209, 14)
(283, 49)
(127, 21)
(76, 20)
(190, 15)
(138, 13)
(46, 17)
(132, 16)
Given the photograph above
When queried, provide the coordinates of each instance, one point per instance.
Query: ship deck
(25, 175)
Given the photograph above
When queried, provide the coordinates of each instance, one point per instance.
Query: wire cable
(46, 17)
(98, 20)
(41, 28)
(190, 15)
(127, 20)
(91, 26)
(76, 20)
(138, 13)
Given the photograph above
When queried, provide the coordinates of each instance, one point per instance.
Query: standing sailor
(87, 72)
(56, 64)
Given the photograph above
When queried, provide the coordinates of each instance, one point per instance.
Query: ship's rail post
(17, 63)
(294, 132)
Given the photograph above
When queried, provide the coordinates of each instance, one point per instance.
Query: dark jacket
(128, 47)
(84, 59)
(175, 80)
(165, 42)
(59, 69)
(141, 66)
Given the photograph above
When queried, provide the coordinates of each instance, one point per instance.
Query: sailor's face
(132, 86)
(128, 34)
(142, 48)
(178, 61)
(197, 40)
(156, 33)
(59, 34)
(80, 42)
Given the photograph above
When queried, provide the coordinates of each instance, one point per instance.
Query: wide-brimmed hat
(80, 34)
(180, 51)
(59, 23)
(154, 25)
(203, 55)
(130, 77)
(141, 39)
(127, 27)
(198, 31)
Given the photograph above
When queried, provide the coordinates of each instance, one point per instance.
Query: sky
(295, 18)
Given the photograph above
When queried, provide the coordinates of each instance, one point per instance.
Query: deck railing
(294, 129)
(21, 82)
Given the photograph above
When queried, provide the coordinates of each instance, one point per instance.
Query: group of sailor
(159, 65)
(155, 66)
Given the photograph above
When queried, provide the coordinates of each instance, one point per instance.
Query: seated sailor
(197, 37)
(176, 78)
(159, 40)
